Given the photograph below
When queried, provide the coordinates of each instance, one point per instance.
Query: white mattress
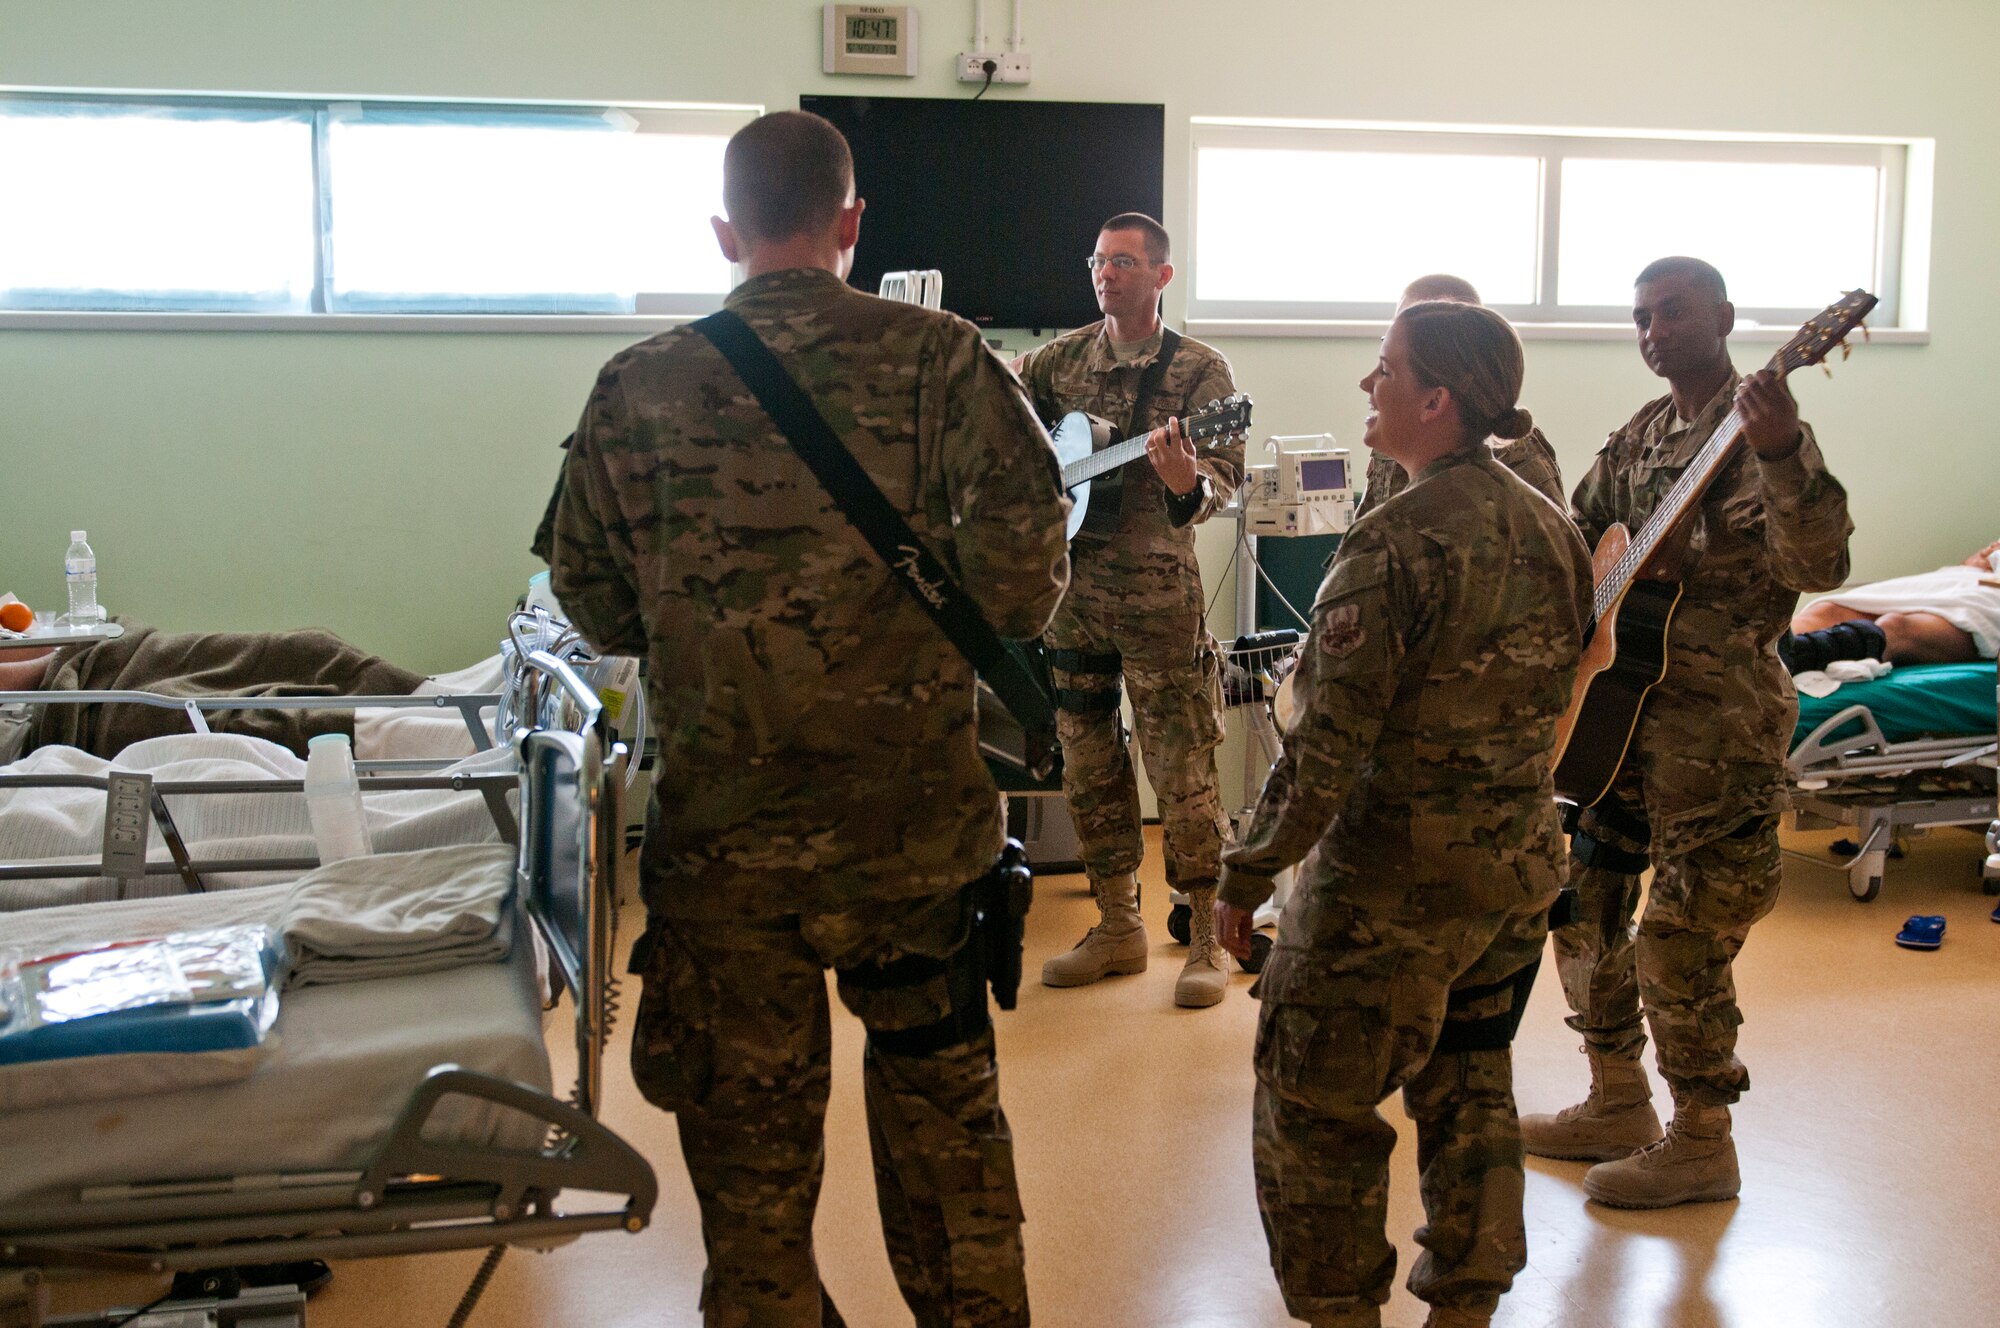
(67, 825)
(345, 1061)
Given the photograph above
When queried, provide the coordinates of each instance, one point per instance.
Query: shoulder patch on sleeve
(1341, 634)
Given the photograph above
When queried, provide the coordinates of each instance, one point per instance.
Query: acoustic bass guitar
(1083, 462)
(1638, 588)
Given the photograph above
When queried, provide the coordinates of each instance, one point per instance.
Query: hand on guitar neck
(1770, 415)
(1172, 454)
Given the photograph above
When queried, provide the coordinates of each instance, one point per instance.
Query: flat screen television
(1003, 197)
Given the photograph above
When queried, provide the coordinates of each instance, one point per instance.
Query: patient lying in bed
(1949, 616)
(308, 662)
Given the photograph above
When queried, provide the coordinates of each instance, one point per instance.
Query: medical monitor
(1004, 197)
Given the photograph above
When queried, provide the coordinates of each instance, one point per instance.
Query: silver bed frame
(415, 1195)
(1838, 782)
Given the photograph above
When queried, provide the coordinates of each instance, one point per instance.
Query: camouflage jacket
(1713, 735)
(817, 745)
(1148, 566)
(1531, 458)
(1443, 648)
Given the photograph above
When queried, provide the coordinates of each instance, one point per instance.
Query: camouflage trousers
(1173, 672)
(1368, 1023)
(1673, 960)
(733, 1035)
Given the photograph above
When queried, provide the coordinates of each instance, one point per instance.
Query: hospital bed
(363, 1132)
(536, 645)
(1904, 753)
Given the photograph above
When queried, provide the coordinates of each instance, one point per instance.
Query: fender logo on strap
(909, 565)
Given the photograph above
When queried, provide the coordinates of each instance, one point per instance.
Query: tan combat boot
(1694, 1163)
(1117, 944)
(1205, 978)
(1615, 1121)
(1444, 1318)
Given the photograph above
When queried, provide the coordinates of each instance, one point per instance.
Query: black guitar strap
(1107, 497)
(1149, 382)
(934, 588)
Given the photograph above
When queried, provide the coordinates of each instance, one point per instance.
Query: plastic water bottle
(333, 799)
(80, 571)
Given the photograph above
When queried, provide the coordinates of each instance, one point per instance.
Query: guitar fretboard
(1681, 498)
(1111, 458)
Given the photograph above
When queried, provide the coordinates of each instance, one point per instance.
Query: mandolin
(1082, 462)
(1625, 649)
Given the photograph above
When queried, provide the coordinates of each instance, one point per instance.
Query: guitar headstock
(1823, 331)
(1218, 419)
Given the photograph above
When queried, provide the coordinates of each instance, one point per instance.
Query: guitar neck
(1099, 463)
(1675, 508)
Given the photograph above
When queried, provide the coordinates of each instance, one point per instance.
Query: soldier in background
(1531, 457)
(1416, 786)
(1136, 611)
(1703, 782)
(821, 802)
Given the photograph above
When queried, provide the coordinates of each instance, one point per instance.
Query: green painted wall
(385, 485)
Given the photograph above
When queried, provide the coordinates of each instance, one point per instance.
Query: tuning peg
(1864, 333)
(1845, 349)
(1826, 368)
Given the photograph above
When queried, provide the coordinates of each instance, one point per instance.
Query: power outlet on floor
(1012, 67)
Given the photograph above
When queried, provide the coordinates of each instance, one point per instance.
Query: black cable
(487, 1268)
(142, 1311)
(991, 67)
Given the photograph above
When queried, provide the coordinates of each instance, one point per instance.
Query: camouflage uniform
(1703, 783)
(1531, 457)
(1443, 648)
(307, 662)
(821, 798)
(1138, 594)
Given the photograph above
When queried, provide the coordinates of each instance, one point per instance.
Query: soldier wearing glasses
(1136, 611)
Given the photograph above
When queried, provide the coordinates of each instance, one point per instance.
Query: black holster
(1000, 902)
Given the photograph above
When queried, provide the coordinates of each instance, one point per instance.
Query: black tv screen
(1003, 197)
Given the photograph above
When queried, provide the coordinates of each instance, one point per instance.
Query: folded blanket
(383, 915)
(394, 915)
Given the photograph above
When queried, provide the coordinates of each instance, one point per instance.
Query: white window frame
(1903, 231)
(655, 311)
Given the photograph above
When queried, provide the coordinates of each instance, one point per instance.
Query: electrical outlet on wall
(1011, 67)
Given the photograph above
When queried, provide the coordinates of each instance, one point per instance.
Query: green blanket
(1914, 701)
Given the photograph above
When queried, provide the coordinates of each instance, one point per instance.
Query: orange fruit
(16, 616)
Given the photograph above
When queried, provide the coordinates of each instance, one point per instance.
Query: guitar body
(1625, 657)
(1074, 441)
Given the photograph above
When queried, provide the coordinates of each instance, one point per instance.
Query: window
(1306, 224)
(361, 208)
(127, 207)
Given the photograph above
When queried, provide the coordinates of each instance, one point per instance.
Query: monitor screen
(1322, 475)
(1005, 198)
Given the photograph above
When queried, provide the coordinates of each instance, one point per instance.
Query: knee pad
(1493, 1032)
(1087, 701)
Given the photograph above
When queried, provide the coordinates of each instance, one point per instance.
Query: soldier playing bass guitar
(1697, 793)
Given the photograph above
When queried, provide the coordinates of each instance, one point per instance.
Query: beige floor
(1870, 1153)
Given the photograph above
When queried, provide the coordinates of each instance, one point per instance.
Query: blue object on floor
(1996, 913)
(1924, 931)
